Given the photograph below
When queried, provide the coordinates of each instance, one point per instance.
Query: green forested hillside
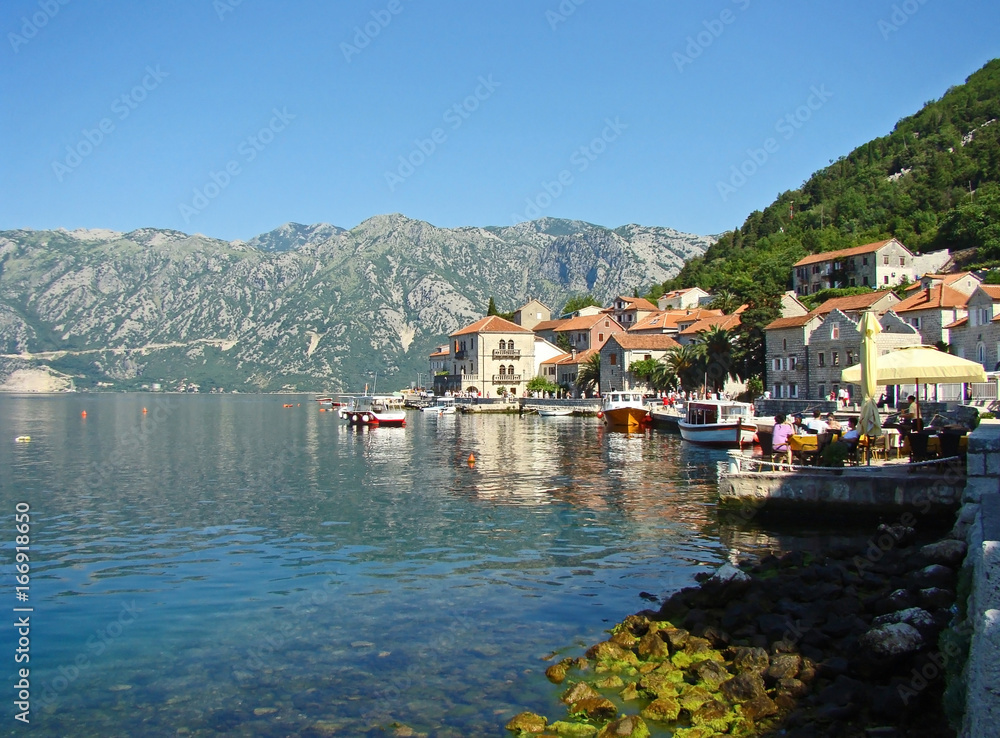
(933, 183)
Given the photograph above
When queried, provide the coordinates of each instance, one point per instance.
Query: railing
(983, 391)
(506, 378)
(460, 355)
(506, 353)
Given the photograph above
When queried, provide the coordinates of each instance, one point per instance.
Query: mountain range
(303, 307)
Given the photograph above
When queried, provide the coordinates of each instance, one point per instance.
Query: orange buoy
(144, 411)
(322, 409)
(83, 414)
(472, 459)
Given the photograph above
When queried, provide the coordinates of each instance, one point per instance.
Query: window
(852, 282)
(915, 322)
(864, 261)
(850, 358)
(822, 391)
(981, 353)
(776, 391)
(503, 371)
(607, 323)
(885, 280)
(821, 360)
(805, 289)
(985, 315)
(510, 370)
(902, 261)
(834, 358)
(784, 344)
(776, 365)
(865, 280)
(816, 269)
(647, 357)
(614, 359)
(885, 260)
(792, 361)
(600, 337)
(835, 332)
(793, 390)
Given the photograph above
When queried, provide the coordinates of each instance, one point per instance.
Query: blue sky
(229, 117)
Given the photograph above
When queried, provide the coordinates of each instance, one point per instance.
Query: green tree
(562, 341)
(644, 369)
(684, 365)
(579, 301)
(541, 384)
(725, 301)
(492, 309)
(716, 345)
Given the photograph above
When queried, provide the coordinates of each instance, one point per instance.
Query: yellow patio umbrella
(869, 423)
(918, 364)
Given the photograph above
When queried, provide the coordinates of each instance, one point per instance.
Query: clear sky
(231, 117)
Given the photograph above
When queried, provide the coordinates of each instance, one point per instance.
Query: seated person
(816, 424)
(779, 437)
(852, 435)
(832, 424)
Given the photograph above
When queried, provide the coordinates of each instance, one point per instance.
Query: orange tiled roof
(939, 297)
(796, 321)
(993, 290)
(440, 353)
(653, 341)
(725, 321)
(853, 302)
(948, 279)
(637, 303)
(580, 358)
(549, 325)
(843, 253)
(957, 323)
(491, 324)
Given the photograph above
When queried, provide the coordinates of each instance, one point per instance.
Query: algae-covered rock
(743, 687)
(676, 637)
(611, 682)
(681, 659)
(636, 624)
(759, 707)
(579, 691)
(527, 722)
(653, 648)
(575, 730)
(693, 697)
(610, 653)
(624, 639)
(595, 708)
(715, 715)
(695, 731)
(711, 674)
(659, 684)
(631, 692)
(630, 726)
(662, 709)
(750, 659)
(697, 645)
(793, 688)
(557, 672)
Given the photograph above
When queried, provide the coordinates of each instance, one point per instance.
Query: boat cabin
(711, 413)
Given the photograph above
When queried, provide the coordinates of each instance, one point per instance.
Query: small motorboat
(724, 423)
(554, 412)
(625, 410)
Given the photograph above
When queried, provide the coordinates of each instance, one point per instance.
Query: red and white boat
(376, 410)
(724, 423)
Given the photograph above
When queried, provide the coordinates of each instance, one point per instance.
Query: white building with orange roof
(977, 336)
(581, 333)
(964, 282)
(439, 360)
(490, 355)
(931, 310)
(690, 334)
(627, 311)
(880, 264)
(683, 299)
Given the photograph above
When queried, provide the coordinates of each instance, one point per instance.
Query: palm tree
(717, 350)
(684, 364)
(589, 375)
(725, 301)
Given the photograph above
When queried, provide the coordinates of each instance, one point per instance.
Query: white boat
(376, 410)
(724, 423)
(624, 410)
(554, 412)
(443, 406)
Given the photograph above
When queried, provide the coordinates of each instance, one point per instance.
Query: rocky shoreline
(848, 643)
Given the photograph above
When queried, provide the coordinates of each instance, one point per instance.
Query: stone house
(785, 341)
(977, 336)
(489, 355)
(931, 310)
(532, 313)
(627, 311)
(621, 349)
(581, 333)
(880, 264)
(854, 305)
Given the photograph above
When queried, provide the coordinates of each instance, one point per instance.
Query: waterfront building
(490, 355)
(621, 349)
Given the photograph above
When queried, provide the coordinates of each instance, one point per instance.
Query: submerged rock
(662, 709)
(576, 730)
(595, 708)
(527, 722)
(631, 726)
(579, 691)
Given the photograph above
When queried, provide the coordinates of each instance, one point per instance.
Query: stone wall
(982, 507)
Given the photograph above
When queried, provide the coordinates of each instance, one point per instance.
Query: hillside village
(641, 345)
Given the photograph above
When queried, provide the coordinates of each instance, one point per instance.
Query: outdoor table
(804, 446)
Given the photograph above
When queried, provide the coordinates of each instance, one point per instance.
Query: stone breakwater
(850, 643)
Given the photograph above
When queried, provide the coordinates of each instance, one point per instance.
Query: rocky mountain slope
(302, 307)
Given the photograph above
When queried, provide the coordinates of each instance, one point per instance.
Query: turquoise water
(224, 565)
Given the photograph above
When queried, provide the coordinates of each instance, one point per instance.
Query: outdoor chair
(918, 447)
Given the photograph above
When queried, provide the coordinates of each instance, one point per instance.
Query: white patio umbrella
(918, 364)
(869, 422)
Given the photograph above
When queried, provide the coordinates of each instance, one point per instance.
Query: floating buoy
(322, 409)
(83, 414)
(23, 439)
(600, 414)
(472, 459)
(144, 411)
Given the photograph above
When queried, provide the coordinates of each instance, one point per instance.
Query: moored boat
(376, 410)
(624, 410)
(554, 412)
(443, 406)
(723, 423)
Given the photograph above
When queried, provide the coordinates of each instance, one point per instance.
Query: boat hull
(720, 435)
(368, 417)
(626, 417)
(554, 412)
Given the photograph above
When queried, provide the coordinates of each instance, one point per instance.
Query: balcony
(506, 353)
(460, 355)
(506, 378)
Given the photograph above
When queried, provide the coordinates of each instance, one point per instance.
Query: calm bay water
(224, 565)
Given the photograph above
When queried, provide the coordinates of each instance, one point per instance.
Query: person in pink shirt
(780, 437)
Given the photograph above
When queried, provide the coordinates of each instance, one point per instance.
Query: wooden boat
(443, 406)
(723, 423)
(376, 410)
(624, 410)
(554, 412)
